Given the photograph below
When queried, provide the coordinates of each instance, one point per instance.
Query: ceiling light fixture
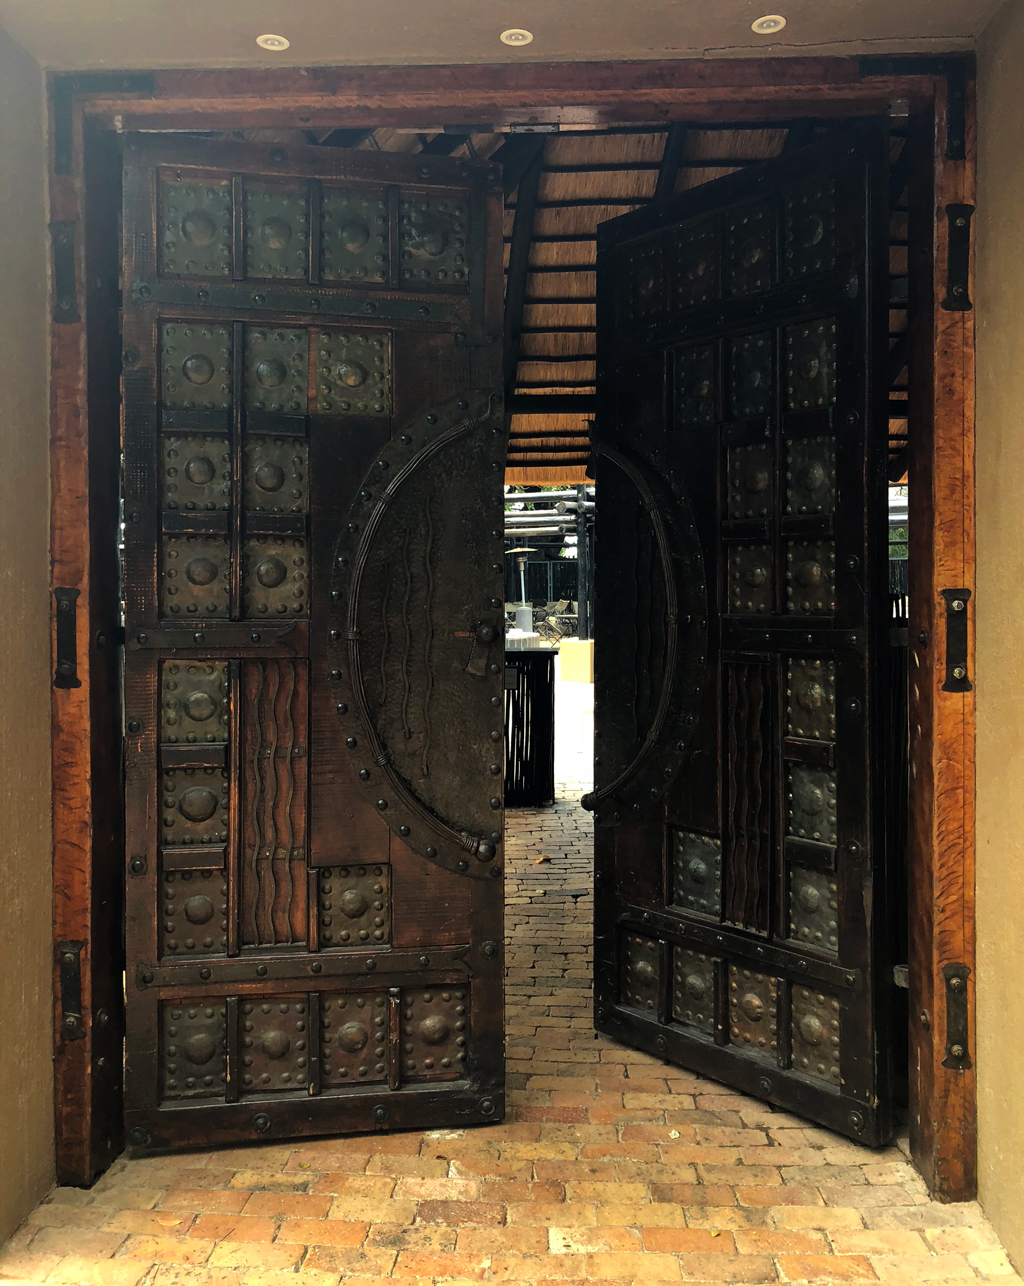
(276, 44)
(516, 36)
(769, 24)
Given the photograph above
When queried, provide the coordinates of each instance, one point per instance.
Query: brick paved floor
(612, 1167)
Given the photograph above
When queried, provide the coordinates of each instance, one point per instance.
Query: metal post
(582, 568)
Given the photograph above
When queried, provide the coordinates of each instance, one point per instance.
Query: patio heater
(524, 609)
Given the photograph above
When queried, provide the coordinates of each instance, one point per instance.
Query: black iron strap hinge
(66, 665)
(69, 962)
(958, 259)
(957, 1052)
(65, 294)
(957, 679)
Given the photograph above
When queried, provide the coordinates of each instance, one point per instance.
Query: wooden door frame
(89, 857)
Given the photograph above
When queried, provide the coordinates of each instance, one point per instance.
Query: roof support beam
(519, 266)
(671, 158)
(515, 156)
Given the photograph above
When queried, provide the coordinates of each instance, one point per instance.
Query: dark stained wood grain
(943, 1111)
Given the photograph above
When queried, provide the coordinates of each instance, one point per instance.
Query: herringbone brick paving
(612, 1167)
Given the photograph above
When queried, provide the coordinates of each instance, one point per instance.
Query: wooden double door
(314, 450)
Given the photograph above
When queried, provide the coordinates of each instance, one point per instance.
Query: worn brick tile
(542, 1214)
(785, 1194)
(873, 1241)
(490, 1241)
(461, 1212)
(84, 1270)
(270, 1181)
(990, 1263)
(772, 1241)
(867, 1195)
(173, 1250)
(420, 1236)
(178, 1275)
(899, 1268)
(492, 1168)
(584, 1241)
(506, 1192)
(24, 1266)
(749, 1176)
(638, 1215)
(830, 1268)
(826, 1217)
(367, 1209)
(322, 1232)
(241, 1254)
(158, 1222)
(437, 1189)
(689, 1241)
(203, 1201)
(726, 1268)
(538, 1270)
(417, 1263)
(694, 1194)
(339, 1182)
(76, 1241)
(632, 1266)
(624, 1193)
(302, 1205)
(401, 1166)
(978, 1236)
(724, 1218)
(349, 1261)
(566, 1171)
(234, 1227)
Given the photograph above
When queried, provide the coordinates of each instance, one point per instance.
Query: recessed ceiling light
(276, 44)
(769, 24)
(516, 36)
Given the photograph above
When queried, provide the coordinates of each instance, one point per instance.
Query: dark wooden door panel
(741, 892)
(314, 446)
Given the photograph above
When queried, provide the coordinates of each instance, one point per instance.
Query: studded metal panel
(811, 577)
(693, 989)
(813, 909)
(695, 387)
(640, 981)
(750, 250)
(433, 1034)
(275, 577)
(354, 234)
(811, 365)
(194, 581)
(195, 227)
(695, 265)
(750, 376)
(750, 579)
(644, 282)
(195, 366)
(697, 872)
(433, 241)
(193, 1049)
(196, 473)
(193, 913)
(353, 1038)
(276, 370)
(276, 231)
(814, 1032)
(753, 1010)
(195, 806)
(811, 700)
(811, 476)
(274, 1044)
(750, 481)
(812, 803)
(353, 373)
(810, 230)
(276, 469)
(194, 702)
(354, 905)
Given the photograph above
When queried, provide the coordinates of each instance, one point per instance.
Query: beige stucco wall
(26, 1106)
(1000, 629)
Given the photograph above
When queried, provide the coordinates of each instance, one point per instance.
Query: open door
(314, 447)
(742, 623)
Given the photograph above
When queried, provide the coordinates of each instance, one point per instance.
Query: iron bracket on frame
(69, 962)
(958, 259)
(957, 1053)
(66, 666)
(956, 640)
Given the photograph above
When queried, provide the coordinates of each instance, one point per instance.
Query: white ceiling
(221, 33)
